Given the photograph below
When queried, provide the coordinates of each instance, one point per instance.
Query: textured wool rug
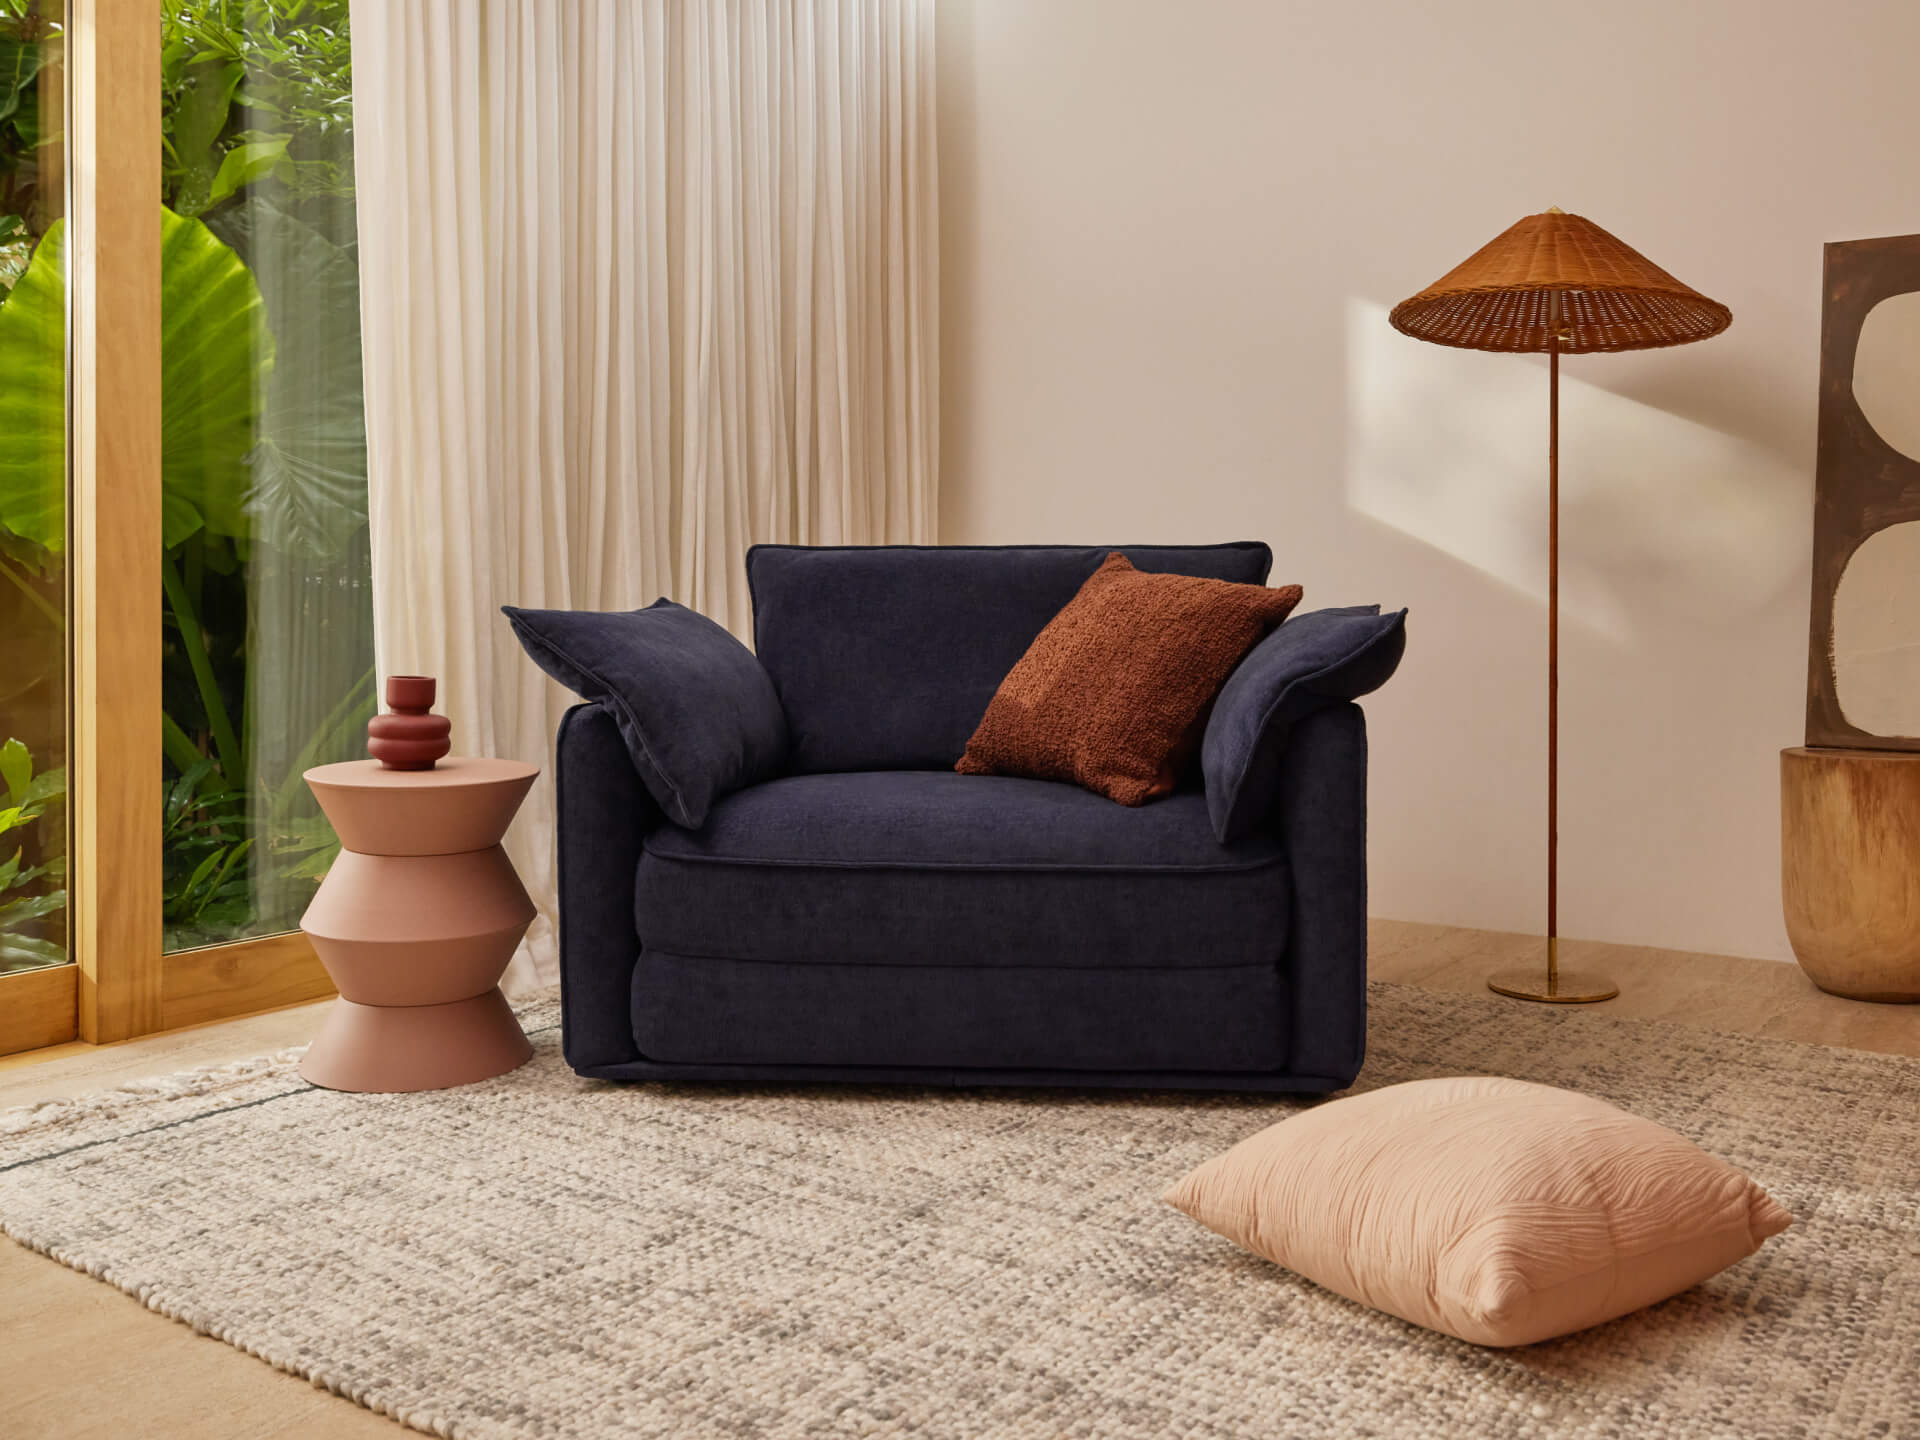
(545, 1256)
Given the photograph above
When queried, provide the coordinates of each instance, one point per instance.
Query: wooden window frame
(120, 983)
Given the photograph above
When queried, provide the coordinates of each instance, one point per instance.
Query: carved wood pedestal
(1850, 869)
(416, 922)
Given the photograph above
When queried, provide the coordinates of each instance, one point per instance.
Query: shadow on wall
(1662, 518)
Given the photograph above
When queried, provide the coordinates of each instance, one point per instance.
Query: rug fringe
(179, 1084)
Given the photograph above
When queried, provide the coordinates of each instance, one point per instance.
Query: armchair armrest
(1320, 815)
(1310, 662)
(605, 813)
(695, 708)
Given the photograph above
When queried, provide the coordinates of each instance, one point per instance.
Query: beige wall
(1170, 234)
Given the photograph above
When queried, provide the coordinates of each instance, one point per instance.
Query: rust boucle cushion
(1108, 695)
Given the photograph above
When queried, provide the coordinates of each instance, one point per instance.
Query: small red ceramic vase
(409, 738)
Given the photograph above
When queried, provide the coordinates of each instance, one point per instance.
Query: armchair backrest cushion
(885, 657)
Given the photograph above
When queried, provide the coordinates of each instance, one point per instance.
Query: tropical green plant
(214, 352)
(211, 826)
(258, 134)
(32, 582)
(255, 90)
(203, 837)
(258, 121)
(30, 45)
(32, 890)
(264, 447)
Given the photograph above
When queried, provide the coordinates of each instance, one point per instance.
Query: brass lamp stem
(1553, 650)
(1524, 984)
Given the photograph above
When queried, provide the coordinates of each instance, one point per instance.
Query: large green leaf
(309, 492)
(16, 769)
(33, 400)
(199, 114)
(215, 355)
(23, 952)
(246, 163)
(20, 61)
(33, 907)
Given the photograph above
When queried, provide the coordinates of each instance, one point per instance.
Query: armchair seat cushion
(915, 867)
(933, 919)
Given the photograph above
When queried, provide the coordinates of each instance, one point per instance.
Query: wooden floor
(76, 1068)
(148, 1376)
(1715, 992)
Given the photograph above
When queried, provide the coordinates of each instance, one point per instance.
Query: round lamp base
(1570, 987)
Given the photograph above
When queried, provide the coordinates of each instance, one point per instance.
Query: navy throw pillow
(1311, 661)
(697, 711)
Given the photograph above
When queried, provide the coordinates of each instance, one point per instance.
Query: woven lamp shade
(1612, 297)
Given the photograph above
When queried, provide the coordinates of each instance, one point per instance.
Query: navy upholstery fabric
(1320, 820)
(605, 813)
(1285, 1080)
(927, 927)
(928, 868)
(1310, 662)
(701, 1010)
(699, 715)
(885, 657)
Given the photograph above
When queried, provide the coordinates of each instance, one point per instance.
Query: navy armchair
(869, 915)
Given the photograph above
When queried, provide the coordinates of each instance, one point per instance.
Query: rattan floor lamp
(1558, 283)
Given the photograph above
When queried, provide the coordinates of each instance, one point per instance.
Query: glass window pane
(33, 489)
(267, 624)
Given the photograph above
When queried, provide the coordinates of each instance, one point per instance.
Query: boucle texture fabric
(1109, 692)
(1496, 1210)
(541, 1256)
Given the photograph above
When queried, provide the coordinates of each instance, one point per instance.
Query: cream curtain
(642, 283)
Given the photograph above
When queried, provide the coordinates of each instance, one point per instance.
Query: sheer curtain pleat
(643, 283)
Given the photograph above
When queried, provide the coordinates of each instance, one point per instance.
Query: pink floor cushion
(1494, 1210)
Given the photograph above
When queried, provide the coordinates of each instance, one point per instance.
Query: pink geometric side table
(416, 922)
